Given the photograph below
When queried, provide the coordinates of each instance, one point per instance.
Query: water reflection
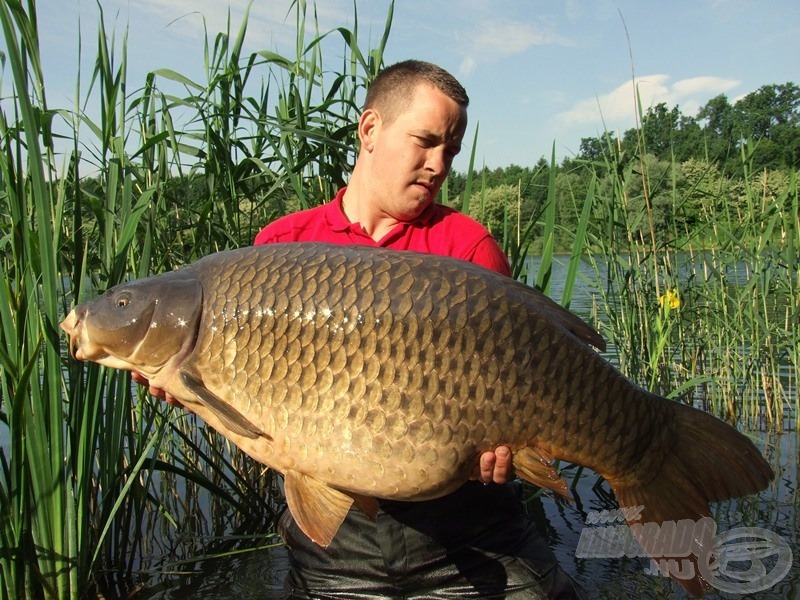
(774, 509)
(260, 574)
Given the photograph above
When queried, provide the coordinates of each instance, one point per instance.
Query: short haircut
(390, 93)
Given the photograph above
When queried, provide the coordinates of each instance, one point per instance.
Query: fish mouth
(79, 352)
(74, 328)
(69, 326)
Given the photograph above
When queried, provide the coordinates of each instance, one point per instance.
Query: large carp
(362, 373)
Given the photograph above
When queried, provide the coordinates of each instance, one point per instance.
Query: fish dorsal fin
(555, 313)
(536, 466)
(576, 326)
(229, 416)
(585, 332)
(318, 509)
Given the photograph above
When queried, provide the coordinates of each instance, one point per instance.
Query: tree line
(680, 168)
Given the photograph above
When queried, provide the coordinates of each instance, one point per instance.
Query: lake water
(259, 575)
(772, 514)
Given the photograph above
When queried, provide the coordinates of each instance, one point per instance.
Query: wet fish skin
(362, 373)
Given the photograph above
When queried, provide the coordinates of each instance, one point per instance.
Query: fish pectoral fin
(536, 466)
(229, 416)
(318, 509)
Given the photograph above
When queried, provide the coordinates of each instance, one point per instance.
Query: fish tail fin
(670, 516)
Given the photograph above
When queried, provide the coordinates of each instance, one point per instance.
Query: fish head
(138, 326)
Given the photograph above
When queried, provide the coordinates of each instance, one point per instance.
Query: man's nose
(436, 162)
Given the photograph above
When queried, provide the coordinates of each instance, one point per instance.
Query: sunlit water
(260, 574)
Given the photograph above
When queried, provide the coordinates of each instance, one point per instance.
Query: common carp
(363, 373)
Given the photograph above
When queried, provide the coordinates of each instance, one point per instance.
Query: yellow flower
(670, 298)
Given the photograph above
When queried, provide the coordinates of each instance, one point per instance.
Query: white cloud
(702, 86)
(467, 66)
(573, 10)
(618, 106)
(505, 38)
(498, 38)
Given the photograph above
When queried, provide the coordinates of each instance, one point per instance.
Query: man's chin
(419, 206)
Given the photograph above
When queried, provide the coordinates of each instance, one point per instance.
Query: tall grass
(96, 479)
(709, 316)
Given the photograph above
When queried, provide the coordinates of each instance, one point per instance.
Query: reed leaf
(543, 277)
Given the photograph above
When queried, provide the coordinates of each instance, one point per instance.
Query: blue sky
(538, 72)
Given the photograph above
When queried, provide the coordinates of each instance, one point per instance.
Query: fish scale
(363, 373)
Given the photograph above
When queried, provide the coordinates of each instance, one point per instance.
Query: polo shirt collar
(334, 214)
(338, 221)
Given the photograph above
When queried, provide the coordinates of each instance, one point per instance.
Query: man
(477, 542)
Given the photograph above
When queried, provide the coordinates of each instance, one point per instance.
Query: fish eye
(122, 301)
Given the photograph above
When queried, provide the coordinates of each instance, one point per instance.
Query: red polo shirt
(439, 230)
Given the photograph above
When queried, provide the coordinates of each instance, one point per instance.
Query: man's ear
(369, 125)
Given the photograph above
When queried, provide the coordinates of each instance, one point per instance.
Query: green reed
(99, 479)
(709, 316)
(37, 488)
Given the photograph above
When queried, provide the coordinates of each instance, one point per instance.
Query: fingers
(157, 392)
(495, 466)
(502, 465)
(170, 399)
(486, 468)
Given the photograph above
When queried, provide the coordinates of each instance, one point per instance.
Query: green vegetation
(97, 481)
(706, 161)
(101, 487)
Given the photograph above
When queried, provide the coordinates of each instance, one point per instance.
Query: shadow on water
(260, 574)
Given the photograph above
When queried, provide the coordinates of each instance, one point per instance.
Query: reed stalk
(711, 323)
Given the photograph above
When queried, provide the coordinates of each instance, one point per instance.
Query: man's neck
(376, 224)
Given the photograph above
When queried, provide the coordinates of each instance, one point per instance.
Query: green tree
(649, 193)
(718, 116)
(769, 121)
(498, 208)
(700, 188)
(571, 189)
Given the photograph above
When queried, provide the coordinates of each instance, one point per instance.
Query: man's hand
(495, 466)
(157, 392)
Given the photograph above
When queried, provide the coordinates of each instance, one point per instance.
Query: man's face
(412, 154)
